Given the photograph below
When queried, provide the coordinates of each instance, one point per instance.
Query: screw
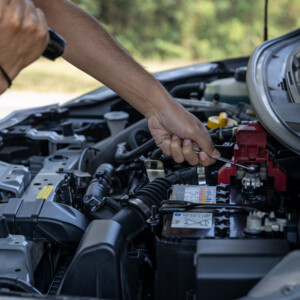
(287, 290)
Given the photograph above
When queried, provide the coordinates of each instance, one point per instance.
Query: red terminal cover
(251, 143)
(251, 148)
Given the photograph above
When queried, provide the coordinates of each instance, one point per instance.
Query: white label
(196, 194)
(191, 194)
(192, 220)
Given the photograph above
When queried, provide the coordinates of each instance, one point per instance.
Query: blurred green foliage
(192, 29)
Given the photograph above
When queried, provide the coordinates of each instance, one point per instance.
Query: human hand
(24, 37)
(175, 131)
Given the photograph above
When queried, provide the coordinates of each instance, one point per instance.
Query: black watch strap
(56, 45)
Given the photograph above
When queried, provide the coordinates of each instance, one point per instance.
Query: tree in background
(192, 29)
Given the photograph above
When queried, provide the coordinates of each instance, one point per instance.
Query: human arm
(24, 36)
(92, 49)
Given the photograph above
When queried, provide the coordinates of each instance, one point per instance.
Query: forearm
(92, 49)
(3, 83)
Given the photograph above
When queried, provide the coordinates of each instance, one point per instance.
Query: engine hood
(273, 84)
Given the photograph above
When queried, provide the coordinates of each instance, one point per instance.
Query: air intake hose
(99, 268)
(138, 208)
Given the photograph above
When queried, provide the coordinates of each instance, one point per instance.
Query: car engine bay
(90, 207)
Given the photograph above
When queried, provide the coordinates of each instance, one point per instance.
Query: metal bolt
(287, 290)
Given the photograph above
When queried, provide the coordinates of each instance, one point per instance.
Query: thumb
(205, 143)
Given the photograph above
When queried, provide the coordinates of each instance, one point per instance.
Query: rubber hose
(132, 139)
(20, 285)
(131, 218)
(154, 192)
(181, 90)
(132, 155)
(157, 190)
(107, 147)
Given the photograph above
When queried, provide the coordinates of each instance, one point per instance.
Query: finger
(43, 26)
(31, 19)
(205, 143)
(204, 139)
(189, 154)
(3, 7)
(15, 4)
(38, 22)
(205, 160)
(176, 150)
(166, 147)
(4, 2)
(15, 13)
(41, 18)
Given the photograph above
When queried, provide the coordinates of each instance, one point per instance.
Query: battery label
(191, 220)
(196, 194)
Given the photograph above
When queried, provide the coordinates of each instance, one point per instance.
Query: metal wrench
(197, 151)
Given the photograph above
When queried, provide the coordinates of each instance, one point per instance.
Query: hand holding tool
(197, 151)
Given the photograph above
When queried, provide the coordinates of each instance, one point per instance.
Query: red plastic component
(251, 143)
(251, 148)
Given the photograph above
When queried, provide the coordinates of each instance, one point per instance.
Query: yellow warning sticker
(45, 192)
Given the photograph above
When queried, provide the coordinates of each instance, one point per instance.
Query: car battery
(176, 245)
(194, 217)
(195, 212)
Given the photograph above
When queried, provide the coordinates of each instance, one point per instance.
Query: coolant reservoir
(220, 121)
(230, 90)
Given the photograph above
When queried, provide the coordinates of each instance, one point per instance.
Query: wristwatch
(56, 45)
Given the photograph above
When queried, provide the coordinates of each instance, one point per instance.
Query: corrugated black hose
(18, 285)
(138, 208)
